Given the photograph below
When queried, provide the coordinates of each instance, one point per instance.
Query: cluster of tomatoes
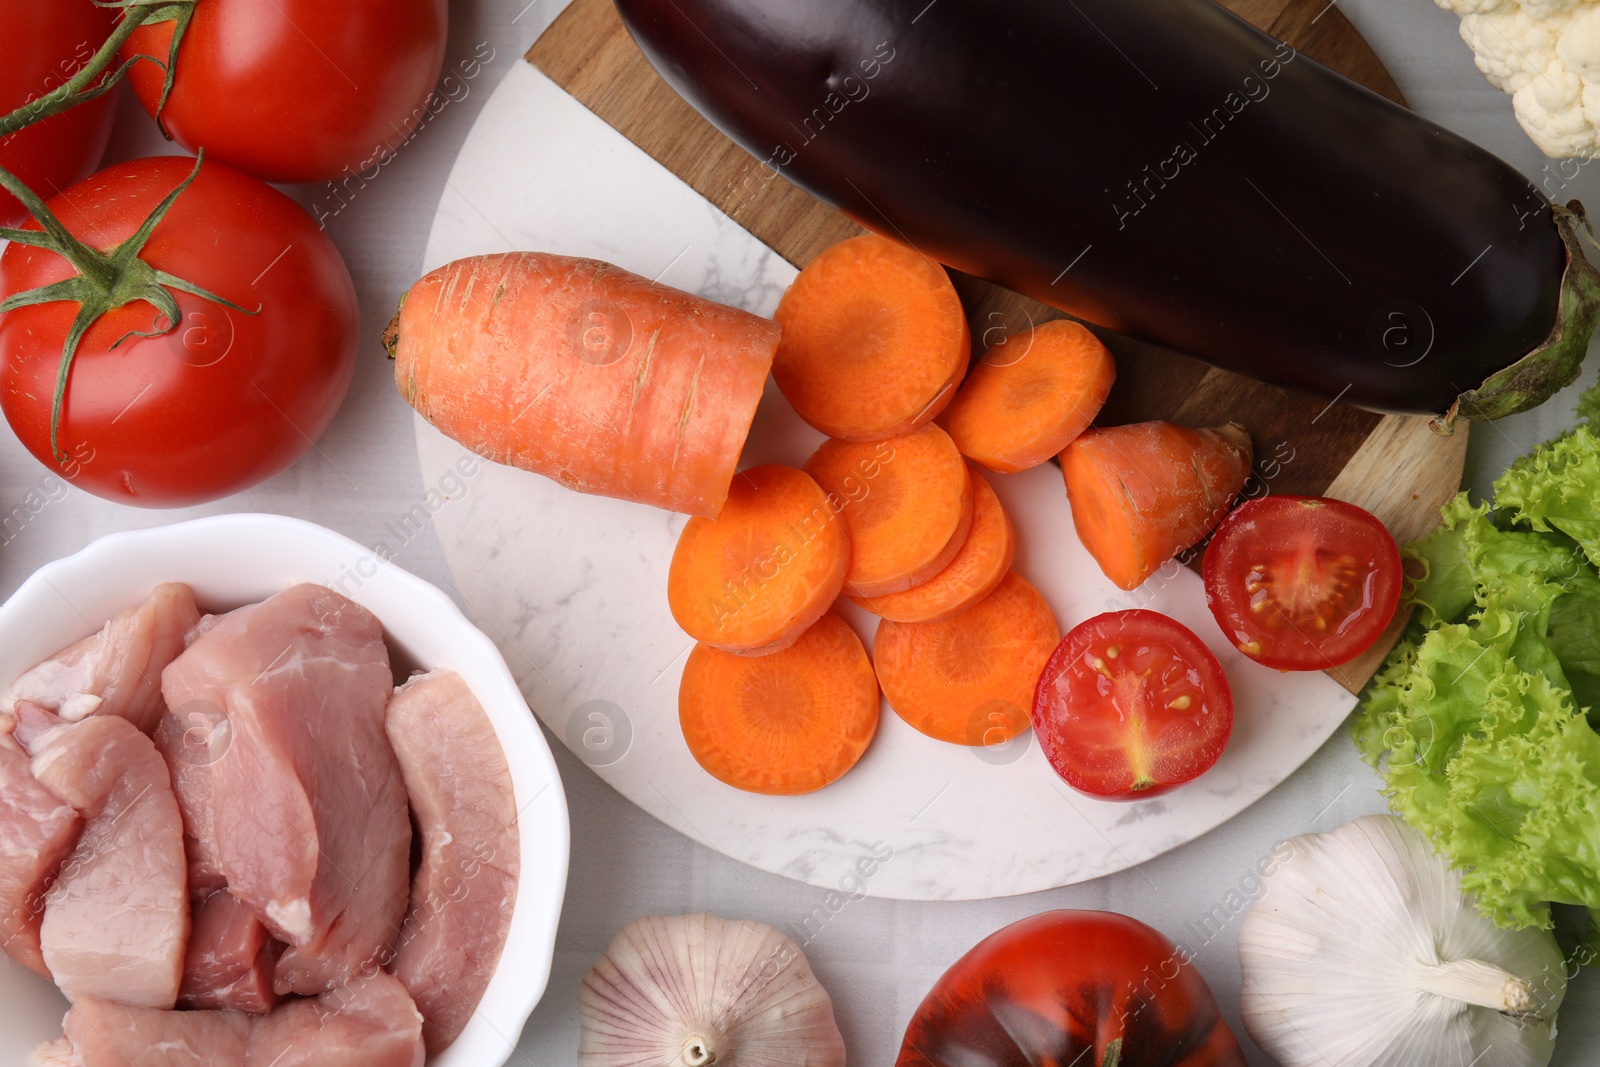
(1133, 704)
(162, 413)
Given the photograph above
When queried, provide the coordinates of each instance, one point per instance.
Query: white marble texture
(574, 588)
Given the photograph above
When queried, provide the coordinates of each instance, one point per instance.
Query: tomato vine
(102, 281)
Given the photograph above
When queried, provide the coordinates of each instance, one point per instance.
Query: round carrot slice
(907, 501)
(983, 560)
(782, 724)
(768, 567)
(1030, 395)
(970, 679)
(874, 340)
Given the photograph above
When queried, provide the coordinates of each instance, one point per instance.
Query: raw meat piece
(230, 958)
(309, 807)
(370, 1023)
(466, 885)
(192, 736)
(117, 917)
(191, 740)
(100, 1033)
(29, 722)
(206, 622)
(116, 671)
(37, 832)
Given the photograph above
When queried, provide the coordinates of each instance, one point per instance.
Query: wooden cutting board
(1394, 466)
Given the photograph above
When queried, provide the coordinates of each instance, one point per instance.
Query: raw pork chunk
(230, 958)
(191, 741)
(466, 885)
(29, 722)
(191, 737)
(308, 806)
(370, 1023)
(117, 917)
(101, 1033)
(116, 671)
(37, 832)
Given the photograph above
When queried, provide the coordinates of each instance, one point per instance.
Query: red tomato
(1302, 583)
(218, 404)
(296, 90)
(1132, 704)
(1071, 989)
(47, 43)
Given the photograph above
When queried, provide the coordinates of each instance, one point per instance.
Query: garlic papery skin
(1363, 952)
(699, 991)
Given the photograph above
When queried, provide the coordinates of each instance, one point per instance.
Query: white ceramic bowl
(231, 560)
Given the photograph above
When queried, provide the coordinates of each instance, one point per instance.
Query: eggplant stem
(1555, 364)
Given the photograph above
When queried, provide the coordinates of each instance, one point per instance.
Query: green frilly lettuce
(1479, 719)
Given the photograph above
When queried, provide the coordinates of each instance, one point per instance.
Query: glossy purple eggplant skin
(1157, 167)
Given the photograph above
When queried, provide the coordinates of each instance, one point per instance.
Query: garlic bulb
(696, 990)
(1363, 952)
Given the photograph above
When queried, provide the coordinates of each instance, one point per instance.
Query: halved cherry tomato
(1132, 704)
(1302, 583)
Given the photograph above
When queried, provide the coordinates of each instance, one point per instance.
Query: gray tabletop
(877, 957)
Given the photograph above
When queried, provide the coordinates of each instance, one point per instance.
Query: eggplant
(1165, 170)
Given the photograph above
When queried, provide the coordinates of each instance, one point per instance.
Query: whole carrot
(578, 370)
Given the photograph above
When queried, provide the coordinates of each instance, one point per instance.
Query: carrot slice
(874, 340)
(1140, 494)
(754, 578)
(908, 502)
(969, 679)
(1030, 395)
(782, 724)
(972, 575)
(607, 382)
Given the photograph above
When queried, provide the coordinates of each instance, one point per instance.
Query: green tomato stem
(104, 282)
(87, 83)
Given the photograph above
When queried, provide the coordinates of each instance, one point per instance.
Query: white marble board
(573, 588)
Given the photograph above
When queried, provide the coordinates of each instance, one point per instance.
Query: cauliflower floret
(1591, 103)
(1477, 7)
(1550, 108)
(1512, 48)
(1579, 44)
(1544, 9)
(1546, 54)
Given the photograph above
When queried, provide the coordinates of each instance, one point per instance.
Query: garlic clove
(1363, 952)
(699, 991)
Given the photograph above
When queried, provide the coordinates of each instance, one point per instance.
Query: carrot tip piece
(391, 336)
